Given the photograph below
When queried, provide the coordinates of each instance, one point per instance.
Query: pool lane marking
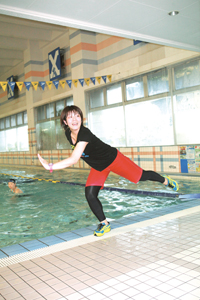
(136, 192)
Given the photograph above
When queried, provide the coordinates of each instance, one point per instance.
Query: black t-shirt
(97, 154)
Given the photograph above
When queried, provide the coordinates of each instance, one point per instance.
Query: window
(49, 133)
(20, 119)
(187, 112)
(14, 136)
(96, 98)
(2, 124)
(154, 109)
(111, 119)
(134, 88)
(149, 123)
(158, 82)
(187, 75)
(114, 94)
(60, 105)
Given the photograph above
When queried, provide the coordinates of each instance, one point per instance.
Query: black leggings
(91, 193)
(151, 175)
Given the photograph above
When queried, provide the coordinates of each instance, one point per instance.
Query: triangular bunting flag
(87, 81)
(20, 85)
(35, 85)
(4, 85)
(11, 85)
(69, 82)
(27, 84)
(62, 83)
(93, 80)
(109, 77)
(42, 84)
(98, 79)
(49, 84)
(81, 81)
(56, 83)
(75, 82)
(104, 78)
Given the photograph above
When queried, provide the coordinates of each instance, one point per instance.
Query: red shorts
(121, 166)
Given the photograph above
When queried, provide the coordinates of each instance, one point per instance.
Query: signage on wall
(10, 87)
(54, 64)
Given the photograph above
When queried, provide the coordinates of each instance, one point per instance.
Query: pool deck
(154, 255)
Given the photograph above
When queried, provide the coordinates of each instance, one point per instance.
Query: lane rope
(128, 191)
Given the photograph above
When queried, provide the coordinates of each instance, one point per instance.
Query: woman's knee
(91, 192)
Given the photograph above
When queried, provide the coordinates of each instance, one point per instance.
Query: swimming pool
(47, 208)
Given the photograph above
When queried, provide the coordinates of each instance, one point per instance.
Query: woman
(102, 158)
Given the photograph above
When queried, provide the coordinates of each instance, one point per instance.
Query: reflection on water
(47, 208)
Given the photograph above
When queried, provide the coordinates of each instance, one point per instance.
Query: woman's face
(73, 120)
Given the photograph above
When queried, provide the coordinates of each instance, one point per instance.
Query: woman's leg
(152, 176)
(126, 168)
(91, 194)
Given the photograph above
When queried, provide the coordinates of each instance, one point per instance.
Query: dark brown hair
(12, 180)
(68, 109)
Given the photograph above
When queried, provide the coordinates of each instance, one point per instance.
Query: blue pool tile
(125, 221)
(116, 224)
(83, 231)
(2, 255)
(92, 227)
(33, 245)
(51, 240)
(68, 236)
(13, 250)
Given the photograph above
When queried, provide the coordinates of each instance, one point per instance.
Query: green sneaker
(101, 229)
(172, 183)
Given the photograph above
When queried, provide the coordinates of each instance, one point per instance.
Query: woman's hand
(43, 162)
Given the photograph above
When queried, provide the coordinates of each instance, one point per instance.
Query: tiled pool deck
(149, 256)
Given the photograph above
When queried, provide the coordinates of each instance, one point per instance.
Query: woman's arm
(75, 156)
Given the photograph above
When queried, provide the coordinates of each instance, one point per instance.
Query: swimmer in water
(13, 187)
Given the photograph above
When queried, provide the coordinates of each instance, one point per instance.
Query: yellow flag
(4, 85)
(98, 79)
(35, 85)
(49, 84)
(20, 85)
(87, 81)
(109, 77)
(62, 83)
(75, 82)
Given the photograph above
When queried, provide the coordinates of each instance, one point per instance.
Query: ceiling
(146, 20)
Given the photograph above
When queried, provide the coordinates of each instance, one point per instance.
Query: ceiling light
(173, 13)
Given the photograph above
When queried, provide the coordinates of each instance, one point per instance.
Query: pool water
(47, 208)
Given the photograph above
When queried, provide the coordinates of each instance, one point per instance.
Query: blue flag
(27, 84)
(12, 85)
(104, 78)
(56, 83)
(42, 84)
(81, 81)
(93, 80)
(69, 82)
